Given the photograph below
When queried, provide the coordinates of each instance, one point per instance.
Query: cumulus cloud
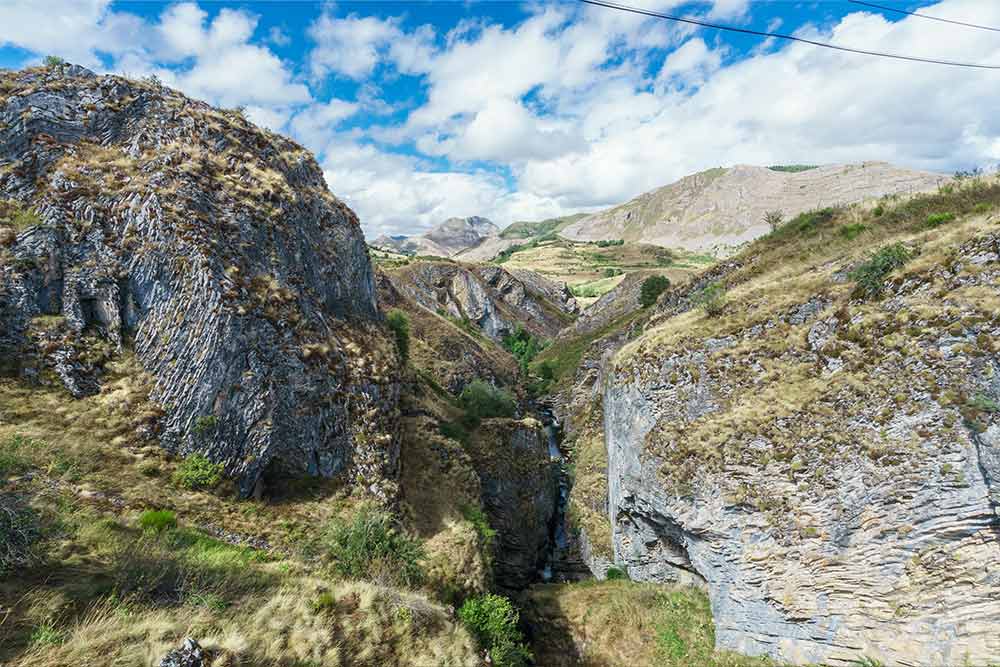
(571, 108)
(353, 46)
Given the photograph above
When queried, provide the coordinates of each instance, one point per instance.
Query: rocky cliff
(520, 486)
(137, 218)
(718, 209)
(823, 455)
(492, 299)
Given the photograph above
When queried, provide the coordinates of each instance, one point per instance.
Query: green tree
(651, 289)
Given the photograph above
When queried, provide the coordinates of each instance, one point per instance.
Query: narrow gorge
(231, 433)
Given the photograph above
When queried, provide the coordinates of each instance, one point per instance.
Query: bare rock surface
(721, 208)
(147, 222)
(520, 486)
(491, 298)
(826, 468)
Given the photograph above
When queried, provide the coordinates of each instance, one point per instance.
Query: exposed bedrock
(153, 223)
(849, 511)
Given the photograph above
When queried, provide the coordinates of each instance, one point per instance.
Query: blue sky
(418, 111)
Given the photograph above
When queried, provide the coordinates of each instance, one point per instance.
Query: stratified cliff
(493, 299)
(823, 454)
(134, 217)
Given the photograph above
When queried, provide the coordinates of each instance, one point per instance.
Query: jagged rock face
(214, 250)
(451, 355)
(491, 298)
(520, 488)
(827, 469)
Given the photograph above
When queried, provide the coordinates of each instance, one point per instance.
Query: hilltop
(452, 237)
(719, 209)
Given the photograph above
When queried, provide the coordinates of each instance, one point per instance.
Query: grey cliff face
(491, 298)
(835, 500)
(520, 487)
(212, 250)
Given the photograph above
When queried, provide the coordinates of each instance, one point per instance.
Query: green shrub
(938, 219)
(46, 634)
(878, 210)
(399, 323)
(482, 400)
(197, 472)
(205, 425)
(523, 346)
(983, 403)
(18, 533)
(370, 547)
(477, 517)
(454, 430)
(870, 276)
(809, 222)
(711, 299)
(852, 231)
(610, 242)
(324, 602)
(615, 573)
(492, 620)
(157, 520)
(652, 288)
(611, 272)
(54, 61)
(18, 216)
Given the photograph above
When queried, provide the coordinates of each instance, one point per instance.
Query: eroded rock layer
(139, 218)
(826, 466)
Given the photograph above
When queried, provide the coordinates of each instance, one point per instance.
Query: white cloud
(393, 193)
(353, 46)
(72, 29)
(314, 124)
(691, 63)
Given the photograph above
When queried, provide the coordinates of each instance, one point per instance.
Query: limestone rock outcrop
(490, 298)
(826, 467)
(139, 220)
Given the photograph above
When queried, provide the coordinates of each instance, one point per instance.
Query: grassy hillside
(591, 270)
(528, 230)
(618, 622)
(127, 549)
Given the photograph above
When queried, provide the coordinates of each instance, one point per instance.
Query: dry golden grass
(304, 622)
(610, 623)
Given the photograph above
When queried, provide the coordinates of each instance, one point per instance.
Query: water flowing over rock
(153, 223)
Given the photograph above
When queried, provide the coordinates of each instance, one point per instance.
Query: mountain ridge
(718, 209)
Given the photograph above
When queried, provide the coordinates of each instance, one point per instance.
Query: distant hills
(724, 207)
(448, 239)
(712, 211)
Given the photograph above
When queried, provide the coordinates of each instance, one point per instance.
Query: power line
(923, 16)
(777, 35)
